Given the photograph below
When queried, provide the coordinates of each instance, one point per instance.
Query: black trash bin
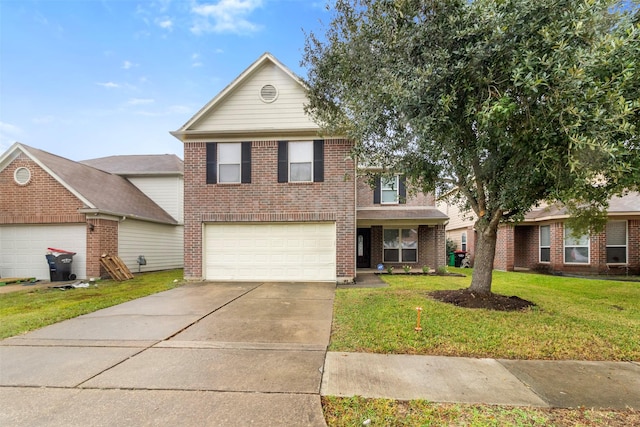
(460, 255)
(60, 265)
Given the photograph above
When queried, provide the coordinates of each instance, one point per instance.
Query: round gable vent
(22, 176)
(268, 93)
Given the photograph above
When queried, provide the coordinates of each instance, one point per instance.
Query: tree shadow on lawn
(468, 299)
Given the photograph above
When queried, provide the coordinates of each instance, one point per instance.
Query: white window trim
(221, 163)
(396, 189)
(626, 243)
(540, 247)
(400, 248)
(289, 162)
(565, 246)
(463, 241)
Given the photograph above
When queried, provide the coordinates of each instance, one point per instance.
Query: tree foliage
(509, 102)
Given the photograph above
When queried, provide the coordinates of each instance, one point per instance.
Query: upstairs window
(301, 161)
(545, 243)
(617, 242)
(390, 190)
(576, 249)
(228, 162)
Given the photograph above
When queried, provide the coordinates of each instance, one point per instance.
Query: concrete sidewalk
(255, 353)
(558, 384)
(202, 354)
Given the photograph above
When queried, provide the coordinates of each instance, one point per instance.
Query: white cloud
(225, 16)
(43, 120)
(8, 135)
(195, 60)
(109, 85)
(127, 65)
(165, 23)
(140, 101)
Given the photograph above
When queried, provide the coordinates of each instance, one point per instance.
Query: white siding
(160, 244)
(270, 252)
(166, 191)
(23, 249)
(243, 110)
(456, 218)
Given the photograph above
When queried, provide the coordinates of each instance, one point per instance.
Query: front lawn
(574, 318)
(357, 411)
(30, 309)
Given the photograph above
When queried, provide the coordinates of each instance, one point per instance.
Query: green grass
(354, 411)
(580, 319)
(30, 309)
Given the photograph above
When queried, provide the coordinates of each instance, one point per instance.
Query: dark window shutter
(376, 192)
(212, 150)
(246, 163)
(318, 160)
(283, 161)
(402, 189)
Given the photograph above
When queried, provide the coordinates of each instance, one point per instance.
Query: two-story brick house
(268, 198)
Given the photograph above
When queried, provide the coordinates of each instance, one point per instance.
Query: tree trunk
(483, 262)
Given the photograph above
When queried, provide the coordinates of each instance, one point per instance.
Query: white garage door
(270, 252)
(23, 249)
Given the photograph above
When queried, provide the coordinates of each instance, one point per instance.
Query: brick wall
(526, 250)
(526, 253)
(41, 201)
(264, 198)
(102, 239)
(504, 257)
(414, 198)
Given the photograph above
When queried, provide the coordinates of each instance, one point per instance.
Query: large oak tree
(501, 104)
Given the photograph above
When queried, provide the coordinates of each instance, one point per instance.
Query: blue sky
(92, 78)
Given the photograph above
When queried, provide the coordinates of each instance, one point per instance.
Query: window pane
(300, 172)
(410, 238)
(409, 255)
(570, 240)
(617, 255)
(389, 196)
(391, 240)
(387, 183)
(617, 233)
(392, 255)
(577, 255)
(229, 173)
(301, 152)
(545, 255)
(545, 235)
(230, 152)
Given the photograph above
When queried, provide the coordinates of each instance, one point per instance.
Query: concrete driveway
(202, 354)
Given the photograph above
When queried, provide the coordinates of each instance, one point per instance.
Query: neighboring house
(543, 242)
(52, 202)
(397, 226)
(267, 198)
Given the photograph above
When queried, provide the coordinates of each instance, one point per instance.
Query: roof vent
(268, 93)
(22, 176)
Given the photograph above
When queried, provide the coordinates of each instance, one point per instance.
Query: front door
(363, 248)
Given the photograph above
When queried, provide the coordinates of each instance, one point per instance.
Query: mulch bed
(467, 299)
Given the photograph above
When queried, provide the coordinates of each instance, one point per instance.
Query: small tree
(508, 102)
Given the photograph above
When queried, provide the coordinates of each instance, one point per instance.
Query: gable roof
(140, 165)
(99, 191)
(233, 124)
(626, 205)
